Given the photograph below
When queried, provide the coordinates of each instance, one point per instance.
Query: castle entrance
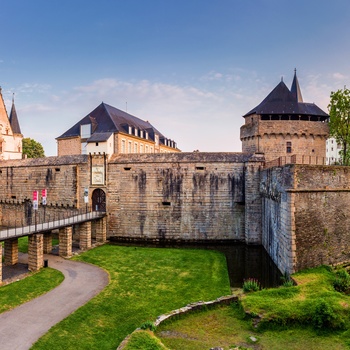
(98, 200)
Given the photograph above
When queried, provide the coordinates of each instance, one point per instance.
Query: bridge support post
(101, 229)
(11, 251)
(35, 251)
(47, 242)
(65, 242)
(85, 235)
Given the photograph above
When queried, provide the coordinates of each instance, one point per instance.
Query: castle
(278, 192)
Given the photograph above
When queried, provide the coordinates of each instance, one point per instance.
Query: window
(135, 147)
(85, 131)
(141, 148)
(96, 144)
(129, 147)
(151, 149)
(289, 147)
(123, 146)
(156, 139)
(146, 148)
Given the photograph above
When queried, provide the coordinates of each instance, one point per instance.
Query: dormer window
(136, 132)
(141, 133)
(85, 131)
(130, 130)
(146, 135)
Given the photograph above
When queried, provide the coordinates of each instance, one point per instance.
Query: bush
(324, 316)
(251, 285)
(148, 325)
(341, 281)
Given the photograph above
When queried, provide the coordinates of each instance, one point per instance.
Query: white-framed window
(151, 149)
(141, 148)
(141, 133)
(146, 135)
(136, 132)
(123, 146)
(85, 131)
(146, 149)
(130, 129)
(129, 147)
(156, 139)
(135, 147)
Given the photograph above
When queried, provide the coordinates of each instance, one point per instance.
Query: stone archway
(98, 200)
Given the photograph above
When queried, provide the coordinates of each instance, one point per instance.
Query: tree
(339, 124)
(32, 148)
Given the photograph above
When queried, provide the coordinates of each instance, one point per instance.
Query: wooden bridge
(39, 234)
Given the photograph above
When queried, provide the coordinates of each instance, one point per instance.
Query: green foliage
(324, 316)
(32, 148)
(339, 112)
(342, 281)
(251, 285)
(148, 325)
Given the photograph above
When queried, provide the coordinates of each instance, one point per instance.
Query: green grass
(17, 293)
(144, 340)
(298, 304)
(144, 283)
(226, 327)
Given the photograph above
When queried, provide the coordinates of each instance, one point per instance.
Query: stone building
(10, 133)
(283, 125)
(109, 130)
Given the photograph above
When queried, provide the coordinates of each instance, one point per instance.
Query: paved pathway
(24, 325)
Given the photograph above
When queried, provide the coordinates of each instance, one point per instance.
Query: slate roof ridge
(295, 88)
(16, 129)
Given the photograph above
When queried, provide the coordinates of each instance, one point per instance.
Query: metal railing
(47, 222)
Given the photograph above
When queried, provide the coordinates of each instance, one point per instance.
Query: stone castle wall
(305, 215)
(298, 212)
(184, 196)
(63, 178)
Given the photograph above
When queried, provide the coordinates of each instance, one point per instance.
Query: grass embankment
(311, 315)
(144, 283)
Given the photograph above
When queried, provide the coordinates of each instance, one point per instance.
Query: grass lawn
(226, 327)
(144, 283)
(29, 288)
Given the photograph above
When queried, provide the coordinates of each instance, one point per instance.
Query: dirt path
(24, 325)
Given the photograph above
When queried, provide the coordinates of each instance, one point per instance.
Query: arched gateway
(98, 200)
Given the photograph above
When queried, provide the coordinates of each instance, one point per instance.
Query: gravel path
(24, 325)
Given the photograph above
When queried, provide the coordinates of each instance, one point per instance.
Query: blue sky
(190, 67)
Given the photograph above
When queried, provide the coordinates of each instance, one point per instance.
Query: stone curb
(225, 300)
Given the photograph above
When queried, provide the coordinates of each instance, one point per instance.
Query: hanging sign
(43, 196)
(86, 195)
(35, 199)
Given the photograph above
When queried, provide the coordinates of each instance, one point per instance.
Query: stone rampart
(305, 215)
(183, 196)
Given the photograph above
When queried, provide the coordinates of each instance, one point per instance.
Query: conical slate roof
(14, 120)
(283, 101)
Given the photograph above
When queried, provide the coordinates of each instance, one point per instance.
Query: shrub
(324, 316)
(148, 325)
(341, 281)
(251, 285)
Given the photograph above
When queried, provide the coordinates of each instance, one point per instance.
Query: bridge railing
(46, 222)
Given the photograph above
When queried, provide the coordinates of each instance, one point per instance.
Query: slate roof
(107, 119)
(14, 120)
(282, 101)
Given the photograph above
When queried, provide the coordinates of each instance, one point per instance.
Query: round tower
(284, 125)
